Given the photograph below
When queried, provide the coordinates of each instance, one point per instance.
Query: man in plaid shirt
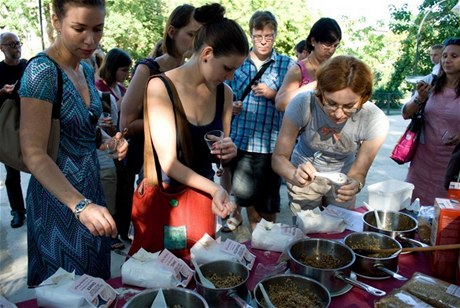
(256, 124)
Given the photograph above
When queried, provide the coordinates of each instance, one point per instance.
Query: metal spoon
(204, 281)
(268, 302)
(377, 217)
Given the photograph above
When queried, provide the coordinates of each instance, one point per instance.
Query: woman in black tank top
(219, 48)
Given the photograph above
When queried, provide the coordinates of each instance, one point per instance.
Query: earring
(59, 32)
(205, 60)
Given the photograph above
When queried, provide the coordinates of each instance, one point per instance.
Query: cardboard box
(454, 191)
(445, 230)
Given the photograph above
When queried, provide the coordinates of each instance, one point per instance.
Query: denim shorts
(254, 183)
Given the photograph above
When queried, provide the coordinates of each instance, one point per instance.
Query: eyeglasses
(268, 38)
(328, 45)
(13, 44)
(332, 106)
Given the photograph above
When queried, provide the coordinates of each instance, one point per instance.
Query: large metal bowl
(303, 284)
(223, 297)
(173, 296)
(334, 279)
(321, 247)
(398, 225)
(371, 264)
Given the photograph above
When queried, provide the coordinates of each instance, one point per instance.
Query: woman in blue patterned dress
(68, 224)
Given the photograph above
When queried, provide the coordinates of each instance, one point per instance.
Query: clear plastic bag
(433, 291)
(265, 270)
(400, 298)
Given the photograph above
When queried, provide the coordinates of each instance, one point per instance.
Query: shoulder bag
(406, 146)
(10, 151)
(164, 216)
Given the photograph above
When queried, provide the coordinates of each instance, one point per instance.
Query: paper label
(95, 290)
(352, 219)
(288, 230)
(182, 272)
(240, 252)
(454, 290)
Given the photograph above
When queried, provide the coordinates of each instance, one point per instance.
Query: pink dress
(305, 77)
(428, 168)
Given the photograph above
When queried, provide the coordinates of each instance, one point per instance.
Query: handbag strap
(256, 77)
(152, 165)
(56, 113)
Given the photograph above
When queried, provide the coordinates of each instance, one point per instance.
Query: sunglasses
(13, 44)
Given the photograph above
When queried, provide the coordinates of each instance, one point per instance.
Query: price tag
(95, 290)
(183, 273)
(240, 252)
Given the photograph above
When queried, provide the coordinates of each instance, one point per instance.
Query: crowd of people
(281, 120)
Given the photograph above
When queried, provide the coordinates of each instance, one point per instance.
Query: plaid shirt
(256, 128)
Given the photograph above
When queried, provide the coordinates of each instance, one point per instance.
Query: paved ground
(13, 242)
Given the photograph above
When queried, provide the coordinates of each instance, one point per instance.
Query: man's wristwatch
(80, 207)
(360, 186)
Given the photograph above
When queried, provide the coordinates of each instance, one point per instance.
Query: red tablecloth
(408, 264)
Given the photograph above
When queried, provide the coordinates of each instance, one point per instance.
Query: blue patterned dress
(55, 237)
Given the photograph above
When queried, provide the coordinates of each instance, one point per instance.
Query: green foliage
(20, 17)
(136, 26)
(440, 23)
(293, 22)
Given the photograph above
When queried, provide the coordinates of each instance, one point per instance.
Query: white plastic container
(390, 195)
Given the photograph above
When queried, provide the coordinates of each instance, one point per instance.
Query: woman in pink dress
(322, 42)
(442, 126)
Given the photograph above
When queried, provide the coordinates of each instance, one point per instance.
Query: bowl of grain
(289, 290)
(230, 280)
(174, 297)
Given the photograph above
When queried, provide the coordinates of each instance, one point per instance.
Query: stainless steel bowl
(224, 297)
(173, 296)
(334, 279)
(371, 264)
(303, 284)
(398, 225)
(321, 247)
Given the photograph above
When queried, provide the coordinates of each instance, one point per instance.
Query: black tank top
(203, 158)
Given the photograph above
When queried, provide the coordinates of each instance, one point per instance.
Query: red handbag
(165, 216)
(406, 146)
